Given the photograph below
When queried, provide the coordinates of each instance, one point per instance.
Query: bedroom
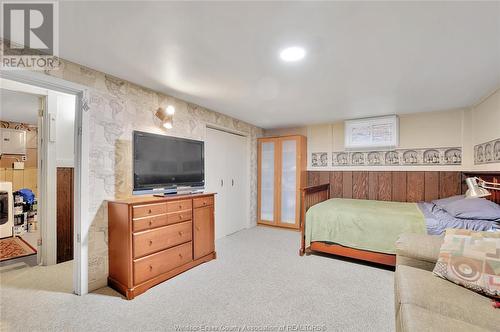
(261, 94)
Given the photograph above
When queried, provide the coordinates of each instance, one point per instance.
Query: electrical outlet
(23, 158)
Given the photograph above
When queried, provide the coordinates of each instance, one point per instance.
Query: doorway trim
(81, 185)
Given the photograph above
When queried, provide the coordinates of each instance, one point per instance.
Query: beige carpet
(258, 280)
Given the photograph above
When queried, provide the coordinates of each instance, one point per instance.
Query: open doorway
(37, 159)
(19, 229)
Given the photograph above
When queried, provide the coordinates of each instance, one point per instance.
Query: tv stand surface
(179, 194)
(147, 199)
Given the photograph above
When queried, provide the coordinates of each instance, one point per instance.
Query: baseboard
(99, 283)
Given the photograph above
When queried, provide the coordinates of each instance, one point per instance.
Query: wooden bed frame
(315, 194)
(318, 193)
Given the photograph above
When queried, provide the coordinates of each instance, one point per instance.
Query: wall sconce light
(166, 116)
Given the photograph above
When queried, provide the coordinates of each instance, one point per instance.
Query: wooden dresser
(152, 239)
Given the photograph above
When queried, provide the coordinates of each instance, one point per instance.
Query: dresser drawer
(161, 262)
(157, 239)
(180, 216)
(140, 211)
(203, 201)
(145, 223)
(179, 205)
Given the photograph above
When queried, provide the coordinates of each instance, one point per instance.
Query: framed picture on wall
(378, 132)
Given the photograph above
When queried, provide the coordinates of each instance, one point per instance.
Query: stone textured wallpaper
(118, 107)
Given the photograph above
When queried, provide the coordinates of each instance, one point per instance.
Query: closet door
(237, 217)
(226, 172)
(266, 178)
(215, 172)
(289, 178)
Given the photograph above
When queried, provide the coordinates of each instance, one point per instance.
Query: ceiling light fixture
(292, 54)
(166, 116)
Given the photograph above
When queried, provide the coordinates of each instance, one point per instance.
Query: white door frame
(81, 195)
(47, 173)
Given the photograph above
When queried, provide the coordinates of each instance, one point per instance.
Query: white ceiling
(363, 58)
(18, 107)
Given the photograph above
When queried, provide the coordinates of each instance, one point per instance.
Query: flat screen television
(163, 163)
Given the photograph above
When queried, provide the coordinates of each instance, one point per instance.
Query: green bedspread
(363, 224)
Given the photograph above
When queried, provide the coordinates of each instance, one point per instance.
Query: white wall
(438, 129)
(484, 119)
(65, 129)
(418, 130)
(28, 104)
(285, 131)
(16, 106)
(463, 128)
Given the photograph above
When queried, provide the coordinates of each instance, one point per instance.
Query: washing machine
(6, 209)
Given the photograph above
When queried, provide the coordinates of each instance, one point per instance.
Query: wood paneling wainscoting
(401, 186)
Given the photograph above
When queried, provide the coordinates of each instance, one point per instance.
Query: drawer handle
(180, 233)
(149, 211)
(204, 203)
(150, 242)
(197, 228)
(180, 256)
(180, 207)
(151, 268)
(150, 223)
(180, 216)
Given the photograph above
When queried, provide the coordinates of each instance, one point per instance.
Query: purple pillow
(443, 202)
(474, 208)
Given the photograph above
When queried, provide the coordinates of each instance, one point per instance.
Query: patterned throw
(14, 247)
(472, 260)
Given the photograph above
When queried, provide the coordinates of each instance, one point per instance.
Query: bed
(367, 229)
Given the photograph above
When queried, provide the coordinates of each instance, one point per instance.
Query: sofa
(425, 302)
